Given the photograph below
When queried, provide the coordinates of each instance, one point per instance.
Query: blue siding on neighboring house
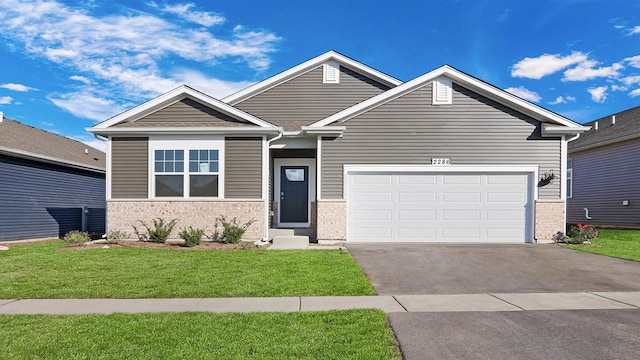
(40, 200)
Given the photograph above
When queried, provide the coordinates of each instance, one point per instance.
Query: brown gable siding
(243, 168)
(305, 99)
(129, 168)
(602, 178)
(409, 130)
(186, 113)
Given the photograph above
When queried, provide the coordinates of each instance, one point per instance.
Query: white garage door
(441, 207)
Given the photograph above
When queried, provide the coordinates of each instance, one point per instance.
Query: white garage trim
(528, 173)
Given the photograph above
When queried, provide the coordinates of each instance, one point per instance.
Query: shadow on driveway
(405, 269)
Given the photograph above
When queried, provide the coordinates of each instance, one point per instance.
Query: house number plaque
(440, 161)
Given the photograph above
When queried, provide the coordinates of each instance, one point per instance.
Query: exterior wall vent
(1, 116)
(613, 119)
(595, 126)
(442, 92)
(331, 73)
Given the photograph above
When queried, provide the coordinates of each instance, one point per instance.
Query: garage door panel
(421, 215)
(439, 207)
(461, 215)
(461, 197)
(461, 179)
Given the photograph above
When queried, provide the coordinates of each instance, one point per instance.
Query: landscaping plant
(76, 237)
(191, 236)
(115, 236)
(232, 231)
(160, 231)
(581, 233)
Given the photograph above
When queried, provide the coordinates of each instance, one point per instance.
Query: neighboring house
(604, 172)
(338, 147)
(45, 181)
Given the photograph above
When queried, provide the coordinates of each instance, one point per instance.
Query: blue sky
(66, 65)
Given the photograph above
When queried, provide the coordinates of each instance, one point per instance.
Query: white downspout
(267, 212)
(565, 181)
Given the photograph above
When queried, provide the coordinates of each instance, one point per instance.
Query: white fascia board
(459, 77)
(551, 130)
(305, 67)
(174, 96)
(186, 131)
(325, 130)
(393, 168)
(49, 159)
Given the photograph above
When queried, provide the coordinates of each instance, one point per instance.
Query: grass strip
(623, 244)
(43, 271)
(356, 334)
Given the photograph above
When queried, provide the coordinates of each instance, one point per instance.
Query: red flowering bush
(581, 233)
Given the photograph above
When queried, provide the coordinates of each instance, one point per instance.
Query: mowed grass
(624, 244)
(357, 334)
(43, 271)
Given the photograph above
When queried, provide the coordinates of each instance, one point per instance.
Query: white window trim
(569, 179)
(185, 143)
(331, 67)
(437, 85)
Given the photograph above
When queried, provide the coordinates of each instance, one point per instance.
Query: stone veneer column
(549, 219)
(124, 215)
(332, 219)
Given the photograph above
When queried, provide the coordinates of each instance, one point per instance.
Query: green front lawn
(43, 271)
(624, 244)
(358, 334)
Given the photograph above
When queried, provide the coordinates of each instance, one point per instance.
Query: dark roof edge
(50, 160)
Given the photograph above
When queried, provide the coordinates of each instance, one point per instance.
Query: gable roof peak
(305, 67)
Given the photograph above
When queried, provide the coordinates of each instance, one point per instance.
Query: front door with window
(294, 194)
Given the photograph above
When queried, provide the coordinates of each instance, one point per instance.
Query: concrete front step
(289, 242)
(308, 232)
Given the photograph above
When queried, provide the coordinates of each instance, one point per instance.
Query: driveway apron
(416, 269)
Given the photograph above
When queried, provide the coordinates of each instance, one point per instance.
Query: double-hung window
(186, 169)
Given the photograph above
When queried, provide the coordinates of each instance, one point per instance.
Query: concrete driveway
(416, 269)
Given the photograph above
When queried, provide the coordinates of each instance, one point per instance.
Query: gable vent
(442, 92)
(331, 71)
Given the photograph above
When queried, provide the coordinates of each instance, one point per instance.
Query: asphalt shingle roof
(22, 138)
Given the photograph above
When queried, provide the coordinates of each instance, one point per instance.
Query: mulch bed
(205, 245)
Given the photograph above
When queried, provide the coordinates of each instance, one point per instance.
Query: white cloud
(633, 61)
(87, 105)
(598, 94)
(47, 123)
(636, 30)
(635, 93)
(524, 93)
(5, 100)
(537, 68)
(562, 100)
(126, 52)
(630, 80)
(17, 87)
(91, 141)
(213, 87)
(184, 11)
(585, 71)
(615, 87)
(82, 79)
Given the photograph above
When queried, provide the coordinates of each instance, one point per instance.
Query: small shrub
(115, 236)
(191, 236)
(160, 231)
(559, 237)
(581, 233)
(76, 237)
(232, 231)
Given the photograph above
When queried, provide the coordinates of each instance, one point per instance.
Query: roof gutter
(554, 130)
(50, 160)
(185, 131)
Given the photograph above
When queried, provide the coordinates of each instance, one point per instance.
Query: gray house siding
(409, 130)
(603, 178)
(305, 99)
(243, 168)
(129, 168)
(186, 113)
(41, 200)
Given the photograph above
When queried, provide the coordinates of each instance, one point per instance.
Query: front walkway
(388, 304)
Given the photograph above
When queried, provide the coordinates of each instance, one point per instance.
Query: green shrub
(581, 233)
(160, 231)
(232, 231)
(191, 236)
(76, 237)
(115, 236)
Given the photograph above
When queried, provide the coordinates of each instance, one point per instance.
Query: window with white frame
(186, 169)
(569, 178)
